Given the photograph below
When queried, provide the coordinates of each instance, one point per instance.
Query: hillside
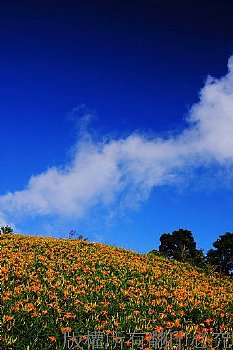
(50, 286)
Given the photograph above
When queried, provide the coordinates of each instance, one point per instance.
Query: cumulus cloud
(123, 171)
(4, 221)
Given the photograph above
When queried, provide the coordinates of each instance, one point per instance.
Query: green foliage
(82, 238)
(50, 285)
(155, 252)
(6, 230)
(180, 245)
(221, 258)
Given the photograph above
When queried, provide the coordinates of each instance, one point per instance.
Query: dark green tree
(73, 233)
(180, 245)
(221, 258)
(6, 230)
(80, 237)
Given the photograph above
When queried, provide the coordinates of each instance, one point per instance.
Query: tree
(154, 252)
(81, 238)
(73, 233)
(180, 245)
(6, 230)
(222, 257)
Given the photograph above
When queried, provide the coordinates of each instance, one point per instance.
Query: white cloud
(4, 221)
(213, 116)
(122, 172)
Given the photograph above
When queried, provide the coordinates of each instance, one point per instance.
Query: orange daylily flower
(53, 339)
(66, 329)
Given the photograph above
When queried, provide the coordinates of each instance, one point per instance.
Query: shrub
(6, 230)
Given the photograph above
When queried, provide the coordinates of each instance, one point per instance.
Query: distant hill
(50, 286)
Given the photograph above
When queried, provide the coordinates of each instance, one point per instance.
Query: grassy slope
(51, 284)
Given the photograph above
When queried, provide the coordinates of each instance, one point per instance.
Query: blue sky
(109, 124)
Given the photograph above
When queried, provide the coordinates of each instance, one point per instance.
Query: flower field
(51, 286)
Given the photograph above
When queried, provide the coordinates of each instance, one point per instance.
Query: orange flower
(35, 314)
(177, 323)
(53, 339)
(128, 343)
(198, 337)
(68, 315)
(169, 324)
(66, 292)
(147, 337)
(66, 329)
(121, 306)
(159, 328)
(14, 308)
(208, 321)
(4, 270)
(7, 318)
(117, 339)
(222, 327)
(179, 335)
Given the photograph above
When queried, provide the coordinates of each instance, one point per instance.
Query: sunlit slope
(49, 285)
